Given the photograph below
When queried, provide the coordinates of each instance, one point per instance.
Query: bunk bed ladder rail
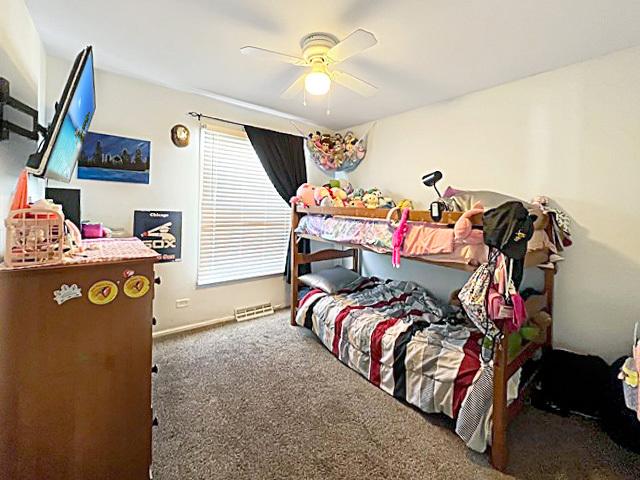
(298, 259)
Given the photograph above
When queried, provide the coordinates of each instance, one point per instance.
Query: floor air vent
(257, 311)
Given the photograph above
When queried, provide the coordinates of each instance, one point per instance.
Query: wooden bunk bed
(503, 366)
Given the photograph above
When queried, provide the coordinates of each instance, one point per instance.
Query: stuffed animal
(405, 203)
(463, 229)
(346, 186)
(319, 194)
(326, 202)
(370, 200)
(339, 196)
(386, 202)
(304, 195)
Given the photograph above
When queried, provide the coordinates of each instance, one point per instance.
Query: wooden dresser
(75, 377)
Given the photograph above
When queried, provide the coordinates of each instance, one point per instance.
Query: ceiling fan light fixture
(317, 82)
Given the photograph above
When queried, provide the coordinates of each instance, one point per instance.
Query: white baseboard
(207, 323)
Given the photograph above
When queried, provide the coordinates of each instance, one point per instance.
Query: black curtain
(282, 156)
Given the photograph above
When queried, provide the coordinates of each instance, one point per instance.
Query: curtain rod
(200, 116)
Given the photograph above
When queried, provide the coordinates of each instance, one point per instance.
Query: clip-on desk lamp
(436, 208)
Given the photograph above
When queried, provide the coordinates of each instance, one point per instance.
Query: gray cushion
(463, 200)
(330, 280)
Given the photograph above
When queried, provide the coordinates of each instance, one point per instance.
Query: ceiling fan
(320, 52)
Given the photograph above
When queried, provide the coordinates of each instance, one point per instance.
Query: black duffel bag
(620, 423)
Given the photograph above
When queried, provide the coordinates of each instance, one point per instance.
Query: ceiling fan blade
(294, 89)
(356, 42)
(354, 83)
(271, 55)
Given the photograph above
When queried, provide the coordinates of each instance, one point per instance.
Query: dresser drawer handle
(154, 368)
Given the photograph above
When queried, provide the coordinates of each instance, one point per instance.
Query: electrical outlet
(182, 302)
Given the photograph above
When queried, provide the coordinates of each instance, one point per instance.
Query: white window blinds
(244, 223)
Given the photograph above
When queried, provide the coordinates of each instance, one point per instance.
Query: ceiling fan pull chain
(329, 99)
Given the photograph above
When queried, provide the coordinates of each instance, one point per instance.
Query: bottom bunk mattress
(395, 334)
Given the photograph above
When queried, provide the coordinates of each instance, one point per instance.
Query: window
(244, 223)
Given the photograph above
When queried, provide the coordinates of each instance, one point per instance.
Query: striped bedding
(411, 346)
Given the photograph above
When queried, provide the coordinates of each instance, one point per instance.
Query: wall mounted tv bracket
(6, 100)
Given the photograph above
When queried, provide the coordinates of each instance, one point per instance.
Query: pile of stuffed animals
(340, 193)
(334, 152)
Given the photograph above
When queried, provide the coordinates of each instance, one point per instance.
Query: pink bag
(495, 303)
(519, 311)
(636, 357)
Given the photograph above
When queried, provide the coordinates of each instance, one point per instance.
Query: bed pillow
(463, 200)
(330, 280)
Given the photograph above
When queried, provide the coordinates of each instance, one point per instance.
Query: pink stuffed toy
(398, 236)
(304, 195)
(463, 231)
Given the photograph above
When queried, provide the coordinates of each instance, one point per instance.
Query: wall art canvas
(113, 158)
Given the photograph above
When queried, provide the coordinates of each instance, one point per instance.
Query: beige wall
(138, 109)
(22, 62)
(572, 134)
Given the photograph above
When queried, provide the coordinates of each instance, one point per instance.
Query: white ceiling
(428, 50)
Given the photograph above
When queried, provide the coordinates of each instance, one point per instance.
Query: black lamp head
(430, 180)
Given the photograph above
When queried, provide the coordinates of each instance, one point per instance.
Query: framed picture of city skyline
(113, 158)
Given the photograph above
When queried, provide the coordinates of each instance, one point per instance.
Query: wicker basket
(34, 237)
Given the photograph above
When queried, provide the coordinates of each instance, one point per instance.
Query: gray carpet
(263, 400)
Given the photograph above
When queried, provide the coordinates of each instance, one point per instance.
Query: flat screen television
(58, 154)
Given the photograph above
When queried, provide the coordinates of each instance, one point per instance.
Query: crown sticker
(67, 292)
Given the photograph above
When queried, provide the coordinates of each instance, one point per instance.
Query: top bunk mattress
(432, 242)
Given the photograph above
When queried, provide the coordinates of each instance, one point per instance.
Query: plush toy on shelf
(405, 203)
(340, 193)
(320, 194)
(304, 195)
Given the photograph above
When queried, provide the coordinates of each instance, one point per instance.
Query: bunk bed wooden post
(295, 218)
(549, 282)
(499, 452)
(504, 368)
(355, 266)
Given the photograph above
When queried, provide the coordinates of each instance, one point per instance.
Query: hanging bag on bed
(473, 297)
(636, 357)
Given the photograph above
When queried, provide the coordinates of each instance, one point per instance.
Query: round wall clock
(180, 135)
